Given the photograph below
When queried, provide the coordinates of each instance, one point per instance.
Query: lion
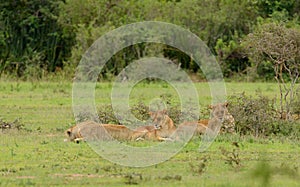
(219, 115)
(90, 130)
(220, 112)
(200, 128)
(163, 127)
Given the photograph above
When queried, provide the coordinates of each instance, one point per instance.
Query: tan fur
(163, 124)
(152, 134)
(90, 130)
(220, 114)
(200, 127)
(145, 128)
(161, 130)
(163, 127)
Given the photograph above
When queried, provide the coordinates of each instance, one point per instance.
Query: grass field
(37, 154)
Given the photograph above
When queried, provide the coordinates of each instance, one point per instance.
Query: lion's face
(220, 112)
(157, 118)
(161, 120)
(73, 134)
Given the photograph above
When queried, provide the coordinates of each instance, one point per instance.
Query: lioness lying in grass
(89, 130)
(220, 114)
(162, 129)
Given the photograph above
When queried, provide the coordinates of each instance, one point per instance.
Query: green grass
(37, 155)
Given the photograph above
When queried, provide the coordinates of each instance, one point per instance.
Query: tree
(281, 46)
(31, 38)
(210, 20)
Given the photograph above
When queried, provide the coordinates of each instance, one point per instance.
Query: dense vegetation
(253, 40)
(40, 37)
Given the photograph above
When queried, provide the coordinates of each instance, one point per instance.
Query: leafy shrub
(258, 116)
(253, 115)
(140, 110)
(31, 37)
(295, 105)
(106, 114)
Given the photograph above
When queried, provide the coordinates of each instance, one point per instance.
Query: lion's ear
(210, 106)
(69, 132)
(151, 114)
(226, 104)
(164, 111)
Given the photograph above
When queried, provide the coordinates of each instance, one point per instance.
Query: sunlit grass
(37, 155)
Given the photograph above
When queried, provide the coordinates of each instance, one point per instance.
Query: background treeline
(38, 37)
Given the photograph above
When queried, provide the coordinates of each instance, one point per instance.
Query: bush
(31, 37)
(140, 111)
(258, 116)
(295, 105)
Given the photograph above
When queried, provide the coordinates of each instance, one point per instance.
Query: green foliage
(211, 20)
(295, 105)
(37, 37)
(258, 116)
(268, 8)
(31, 37)
(231, 57)
(276, 44)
